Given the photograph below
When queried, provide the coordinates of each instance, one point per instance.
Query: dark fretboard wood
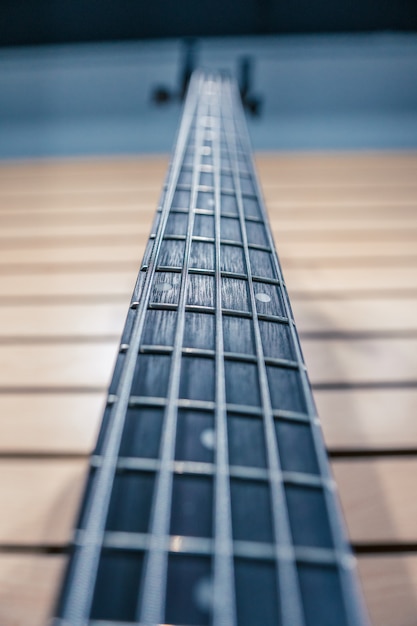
(210, 499)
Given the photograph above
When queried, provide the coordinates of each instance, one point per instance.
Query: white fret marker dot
(263, 297)
(207, 438)
(210, 202)
(205, 150)
(163, 286)
(203, 594)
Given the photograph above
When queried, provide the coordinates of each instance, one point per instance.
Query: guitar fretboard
(210, 499)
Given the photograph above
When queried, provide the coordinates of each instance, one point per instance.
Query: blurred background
(78, 77)
(90, 99)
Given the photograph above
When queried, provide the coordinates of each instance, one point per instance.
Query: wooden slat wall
(71, 238)
(72, 235)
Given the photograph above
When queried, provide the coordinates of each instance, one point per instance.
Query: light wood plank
(135, 226)
(74, 254)
(377, 499)
(85, 210)
(28, 587)
(43, 511)
(355, 315)
(390, 229)
(372, 193)
(292, 255)
(41, 218)
(340, 279)
(315, 282)
(312, 316)
(367, 165)
(50, 423)
(100, 170)
(29, 584)
(89, 200)
(66, 283)
(361, 360)
(314, 253)
(401, 232)
(390, 222)
(86, 365)
(363, 419)
(89, 209)
(338, 204)
(390, 587)
(37, 321)
(40, 500)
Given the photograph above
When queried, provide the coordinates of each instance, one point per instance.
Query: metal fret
(210, 499)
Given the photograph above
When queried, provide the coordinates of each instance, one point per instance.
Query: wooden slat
(305, 281)
(68, 283)
(85, 170)
(75, 254)
(28, 587)
(335, 167)
(339, 203)
(307, 208)
(292, 255)
(82, 217)
(40, 500)
(390, 587)
(314, 224)
(385, 235)
(86, 365)
(37, 321)
(138, 223)
(90, 208)
(352, 253)
(368, 419)
(377, 499)
(42, 510)
(88, 198)
(316, 316)
(284, 222)
(315, 281)
(48, 423)
(356, 315)
(361, 361)
(135, 226)
(377, 193)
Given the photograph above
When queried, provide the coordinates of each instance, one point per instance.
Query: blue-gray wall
(319, 92)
